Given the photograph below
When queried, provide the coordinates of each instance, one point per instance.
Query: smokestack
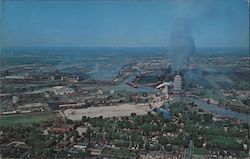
(188, 66)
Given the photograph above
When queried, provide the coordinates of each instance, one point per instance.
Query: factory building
(70, 79)
(164, 88)
(177, 84)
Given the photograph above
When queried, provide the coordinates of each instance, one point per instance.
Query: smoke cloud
(181, 44)
(188, 13)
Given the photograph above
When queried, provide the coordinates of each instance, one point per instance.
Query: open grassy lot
(26, 119)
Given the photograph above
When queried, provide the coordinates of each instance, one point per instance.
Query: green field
(26, 119)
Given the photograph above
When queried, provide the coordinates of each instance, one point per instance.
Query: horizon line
(1, 47)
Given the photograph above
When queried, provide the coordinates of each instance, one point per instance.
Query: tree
(245, 126)
(99, 137)
(147, 146)
(207, 118)
(136, 138)
(88, 134)
(69, 121)
(170, 127)
(163, 140)
(168, 148)
(73, 133)
(225, 143)
(84, 118)
(133, 114)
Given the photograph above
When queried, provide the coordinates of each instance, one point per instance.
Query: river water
(219, 110)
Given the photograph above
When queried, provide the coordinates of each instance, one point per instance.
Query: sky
(131, 23)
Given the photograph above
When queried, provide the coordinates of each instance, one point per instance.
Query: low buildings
(60, 90)
(95, 151)
(70, 79)
(62, 145)
(81, 146)
(60, 128)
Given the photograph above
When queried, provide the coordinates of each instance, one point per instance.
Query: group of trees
(225, 143)
(37, 140)
(202, 129)
(139, 131)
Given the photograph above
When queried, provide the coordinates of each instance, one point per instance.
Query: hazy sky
(219, 23)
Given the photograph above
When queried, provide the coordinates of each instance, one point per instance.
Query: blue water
(219, 110)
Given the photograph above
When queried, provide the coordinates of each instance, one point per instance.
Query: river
(219, 110)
